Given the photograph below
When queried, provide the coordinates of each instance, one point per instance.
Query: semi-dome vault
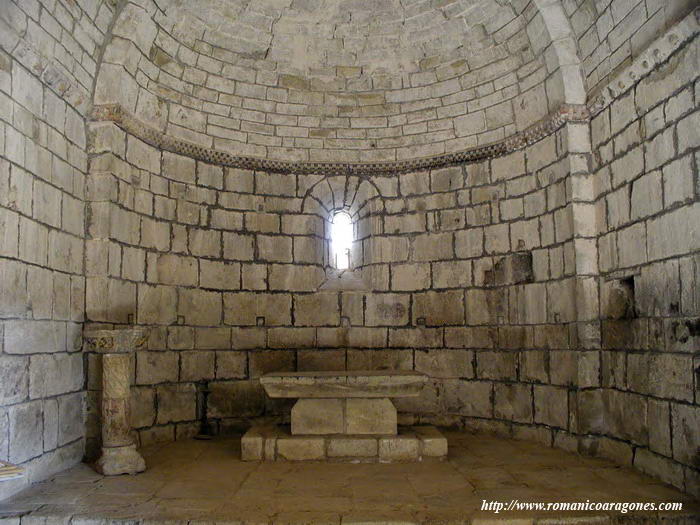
(345, 81)
(385, 39)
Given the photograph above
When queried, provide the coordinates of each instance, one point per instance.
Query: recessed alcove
(520, 182)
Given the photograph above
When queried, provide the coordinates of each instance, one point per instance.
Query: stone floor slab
(205, 482)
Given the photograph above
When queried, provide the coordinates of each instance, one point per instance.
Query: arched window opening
(341, 240)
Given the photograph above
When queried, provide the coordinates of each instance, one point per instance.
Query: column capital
(118, 341)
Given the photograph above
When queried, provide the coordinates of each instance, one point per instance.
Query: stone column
(119, 454)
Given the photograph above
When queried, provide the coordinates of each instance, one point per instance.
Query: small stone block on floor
(434, 444)
(352, 447)
(270, 448)
(301, 448)
(252, 446)
(399, 448)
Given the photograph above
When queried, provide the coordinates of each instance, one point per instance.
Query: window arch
(359, 206)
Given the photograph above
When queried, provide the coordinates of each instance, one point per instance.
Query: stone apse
(524, 205)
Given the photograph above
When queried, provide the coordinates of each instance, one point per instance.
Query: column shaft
(116, 425)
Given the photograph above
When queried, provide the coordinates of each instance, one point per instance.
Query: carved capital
(116, 341)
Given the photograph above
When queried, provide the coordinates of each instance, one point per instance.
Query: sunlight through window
(341, 240)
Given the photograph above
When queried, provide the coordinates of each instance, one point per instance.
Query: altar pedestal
(343, 416)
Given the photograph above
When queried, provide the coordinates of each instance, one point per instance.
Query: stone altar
(345, 415)
(119, 454)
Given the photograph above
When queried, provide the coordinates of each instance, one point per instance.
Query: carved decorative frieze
(547, 126)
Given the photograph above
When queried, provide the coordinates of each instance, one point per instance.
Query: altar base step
(276, 443)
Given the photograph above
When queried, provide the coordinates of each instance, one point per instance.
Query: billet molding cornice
(158, 139)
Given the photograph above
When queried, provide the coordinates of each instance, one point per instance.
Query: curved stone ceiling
(313, 37)
(335, 80)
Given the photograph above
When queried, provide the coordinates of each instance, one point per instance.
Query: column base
(120, 460)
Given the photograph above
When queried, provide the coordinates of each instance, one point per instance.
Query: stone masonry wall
(550, 294)
(484, 276)
(468, 271)
(48, 60)
(612, 33)
(646, 168)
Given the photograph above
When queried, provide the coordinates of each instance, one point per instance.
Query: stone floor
(205, 482)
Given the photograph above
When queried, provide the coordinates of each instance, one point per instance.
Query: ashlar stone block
(513, 402)
(275, 248)
(30, 337)
(200, 307)
(252, 446)
(142, 407)
(9, 227)
(52, 374)
(176, 403)
(71, 417)
(432, 246)
(25, 431)
(353, 447)
(301, 449)
(156, 367)
(157, 304)
(445, 363)
(398, 448)
(439, 308)
(236, 399)
(434, 444)
(468, 398)
(386, 310)
(452, 274)
(231, 364)
(370, 416)
(686, 433)
(245, 308)
(317, 309)
(14, 299)
(284, 337)
(172, 269)
(388, 249)
(551, 406)
(220, 275)
(409, 277)
(321, 359)
(14, 390)
(291, 277)
(318, 416)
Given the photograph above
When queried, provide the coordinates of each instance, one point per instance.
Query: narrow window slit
(341, 240)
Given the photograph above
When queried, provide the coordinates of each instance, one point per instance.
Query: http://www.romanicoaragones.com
(588, 505)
